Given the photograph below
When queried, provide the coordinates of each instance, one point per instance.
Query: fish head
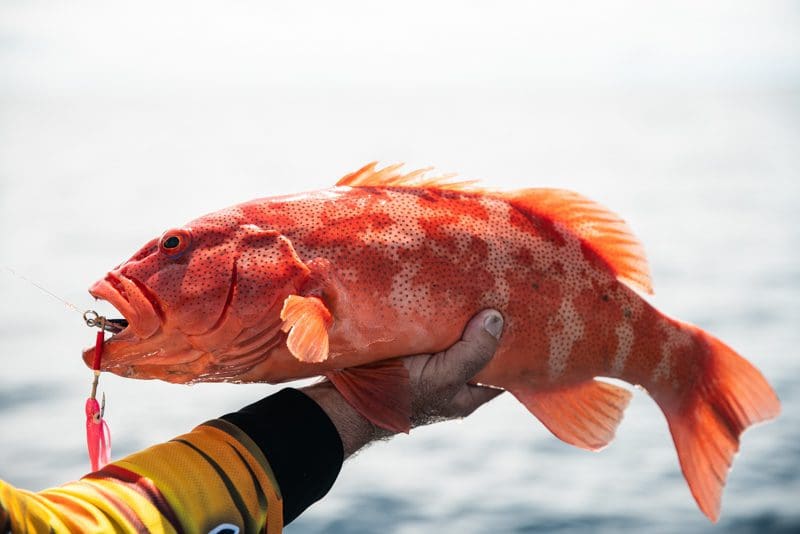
(195, 296)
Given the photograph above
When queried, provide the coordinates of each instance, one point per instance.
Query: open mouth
(110, 290)
(134, 326)
(115, 326)
(134, 302)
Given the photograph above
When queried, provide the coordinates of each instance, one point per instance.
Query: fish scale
(341, 282)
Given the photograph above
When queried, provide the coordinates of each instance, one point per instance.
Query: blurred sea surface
(116, 124)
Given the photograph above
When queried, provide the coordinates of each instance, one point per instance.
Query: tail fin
(728, 396)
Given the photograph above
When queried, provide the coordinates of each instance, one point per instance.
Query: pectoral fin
(380, 392)
(585, 415)
(307, 320)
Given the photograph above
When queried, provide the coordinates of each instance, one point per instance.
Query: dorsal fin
(601, 229)
(391, 176)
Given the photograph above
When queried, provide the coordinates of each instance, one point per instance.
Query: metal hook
(94, 319)
(90, 317)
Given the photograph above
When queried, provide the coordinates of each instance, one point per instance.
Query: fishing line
(98, 435)
(90, 317)
(41, 288)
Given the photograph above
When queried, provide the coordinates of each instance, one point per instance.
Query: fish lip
(137, 308)
(150, 361)
(134, 300)
(105, 290)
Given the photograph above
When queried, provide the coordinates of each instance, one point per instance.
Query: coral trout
(340, 282)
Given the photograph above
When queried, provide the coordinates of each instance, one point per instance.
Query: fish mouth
(139, 307)
(115, 326)
(134, 335)
(141, 312)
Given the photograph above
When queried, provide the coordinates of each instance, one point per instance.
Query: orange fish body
(340, 282)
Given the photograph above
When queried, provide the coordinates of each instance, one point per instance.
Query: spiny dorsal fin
(607, 234)
(391, 176)
(601, 229)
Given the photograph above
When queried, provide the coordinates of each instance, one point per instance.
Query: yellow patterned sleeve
(213, 479)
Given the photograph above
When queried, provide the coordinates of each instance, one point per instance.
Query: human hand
(439, 388)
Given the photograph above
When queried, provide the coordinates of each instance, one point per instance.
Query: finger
(469, 398)
(463, 360)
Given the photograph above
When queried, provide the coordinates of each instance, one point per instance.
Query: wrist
(354, 429)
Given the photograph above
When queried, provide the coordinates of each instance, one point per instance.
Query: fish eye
(173, 242)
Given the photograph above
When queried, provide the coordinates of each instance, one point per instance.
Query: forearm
(262, 465)
(301, 443)
(259, 467)
(192, 483)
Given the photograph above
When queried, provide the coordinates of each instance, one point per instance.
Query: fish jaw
(165, 357)
(146, 348)
(133, 301)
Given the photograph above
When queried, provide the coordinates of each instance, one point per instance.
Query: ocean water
(116, 124)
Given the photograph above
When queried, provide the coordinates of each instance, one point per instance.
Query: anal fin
(585, 414)
(380, 392)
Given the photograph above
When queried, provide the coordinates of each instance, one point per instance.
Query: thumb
(463, 360)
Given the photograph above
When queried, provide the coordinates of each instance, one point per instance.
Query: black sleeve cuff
(300, 442)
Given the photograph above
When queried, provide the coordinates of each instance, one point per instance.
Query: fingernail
(493, 323)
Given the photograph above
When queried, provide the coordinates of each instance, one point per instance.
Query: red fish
(341, 281)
